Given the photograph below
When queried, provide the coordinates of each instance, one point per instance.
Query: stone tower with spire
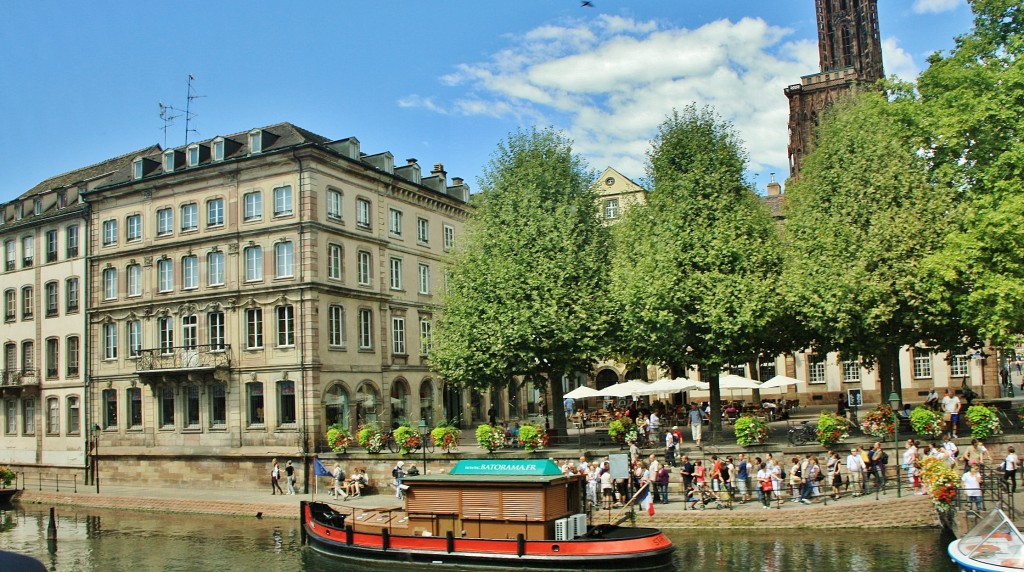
(849, 54)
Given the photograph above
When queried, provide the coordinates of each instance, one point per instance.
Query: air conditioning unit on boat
(563, 529)
(579, 524)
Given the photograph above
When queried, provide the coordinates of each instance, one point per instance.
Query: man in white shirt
(653, 426)
(855, 466)
(951, 407)
(653, 467)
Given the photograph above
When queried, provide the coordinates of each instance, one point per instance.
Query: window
(11, 417)
(137, 169)
(958, 366)
(165, 335)
(215, 212)
(190, 332)
(109, 408)
(395, 222)
(133, 279)
(51, 246)
(922, 363)
(134, 227)
(422, 230)
(215, 329)
(72, 348)
(767, 370)
(109, 341)
(398, 336)
(189, 217)
(169, 161)
(52, 301)
(134, 331)
(53, 416)
(851, 371)
(167, 408)
(215, 268)
(254, 328)
(363, 213)
(27, 303)
(253, 263)
(28, 416)
(336, 326)
(218, 149)
(334, 261)
(424, 279)
(135, 408)
(396, 273)
(11, 356)
(28, 251)
(165, 275)
(365, 329)
(816, 371)
(52, 357)
(164, 222)
(193, 155)
(253, 206)
(10, 305)
(286, 402)
(285, 326)
(71, 238)
(10, 255)
(449, 237)
(109, 283)
(611, 209)
(283, 201)
(71, 294)
(254, 392)
(192, 407)
(74, 416)
(109, 232)
(255, 141)
(334, 204)
(190, 272)
(218, 405)
(284, 259)
(425, 335)
(364, 268)
(37, 207)
(28, 357)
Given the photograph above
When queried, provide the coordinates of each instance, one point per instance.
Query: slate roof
(89, 173)
(776, 204)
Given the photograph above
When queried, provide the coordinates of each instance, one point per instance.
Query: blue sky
(439, 81)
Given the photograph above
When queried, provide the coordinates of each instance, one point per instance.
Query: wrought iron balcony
(182, 358)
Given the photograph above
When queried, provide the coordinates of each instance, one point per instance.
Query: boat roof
(483, 479)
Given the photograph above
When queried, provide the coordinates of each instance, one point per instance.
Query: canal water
(91, 540)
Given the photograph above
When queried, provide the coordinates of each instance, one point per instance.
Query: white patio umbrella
(631, 387)
(780, 382)
(583, 392)
(736, 382)
(673, 385)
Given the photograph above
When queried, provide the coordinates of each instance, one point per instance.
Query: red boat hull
(629, 548)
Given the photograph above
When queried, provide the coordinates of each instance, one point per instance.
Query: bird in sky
(586, 4)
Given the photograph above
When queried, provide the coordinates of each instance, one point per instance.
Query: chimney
(774, 188)
(456, 181)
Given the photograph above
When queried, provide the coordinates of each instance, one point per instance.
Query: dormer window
(193, 155)
(169, 161)
(218, 149)
(62, 199)
(255, 141)
(37, 207)
(137, 169)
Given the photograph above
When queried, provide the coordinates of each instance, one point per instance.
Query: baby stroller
(702, 496)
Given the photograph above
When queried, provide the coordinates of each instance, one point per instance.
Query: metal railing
(995, 493)
(18, 378)
(184, 357)
(46, 481)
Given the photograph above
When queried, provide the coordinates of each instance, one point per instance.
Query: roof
(775, 204)
(485, 480)
(89, 173)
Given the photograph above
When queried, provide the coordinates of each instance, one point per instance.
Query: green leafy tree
(971, 100)
(526, 293)
(859, 221)
(696, 271)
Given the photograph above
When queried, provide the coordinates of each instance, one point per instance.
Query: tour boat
(512, 514)
(993, 545)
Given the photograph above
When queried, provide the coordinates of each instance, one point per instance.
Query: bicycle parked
(393, 445)
(803, 433)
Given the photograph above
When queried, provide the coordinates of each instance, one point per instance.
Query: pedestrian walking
(275, 476)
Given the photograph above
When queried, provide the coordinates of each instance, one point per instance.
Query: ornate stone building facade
(850, 54)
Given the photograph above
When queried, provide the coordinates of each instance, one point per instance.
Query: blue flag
(319, 469)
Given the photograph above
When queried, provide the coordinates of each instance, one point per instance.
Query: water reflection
(95, 540)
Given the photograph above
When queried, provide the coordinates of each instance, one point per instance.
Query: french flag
(646, 501)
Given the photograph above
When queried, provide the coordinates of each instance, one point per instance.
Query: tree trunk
(710, 375)
(557, 407)
(889, 374)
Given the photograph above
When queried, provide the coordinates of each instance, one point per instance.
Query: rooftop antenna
(188, 106)
(166, 114)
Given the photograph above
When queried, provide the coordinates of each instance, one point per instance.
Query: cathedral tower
(849, 53)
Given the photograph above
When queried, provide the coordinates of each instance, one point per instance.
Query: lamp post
(894, 402)
(423, 442)
(96, 456)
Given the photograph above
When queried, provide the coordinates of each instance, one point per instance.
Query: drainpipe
(303, 368)
(86, 344)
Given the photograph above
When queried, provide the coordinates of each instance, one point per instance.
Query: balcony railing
(182, 357)
(19, 378)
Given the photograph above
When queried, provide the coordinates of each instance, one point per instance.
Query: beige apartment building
(43, 278)
(250, 290)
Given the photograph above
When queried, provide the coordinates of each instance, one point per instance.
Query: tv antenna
(168, 117)
(188, 106)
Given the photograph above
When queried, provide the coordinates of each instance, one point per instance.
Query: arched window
(52, 416)
(74, 416)
(427, 401)
(399, 402)
(367, 403)
(336, 403)
(286, 402)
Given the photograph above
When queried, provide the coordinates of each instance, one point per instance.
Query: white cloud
(611, 81)
(897, 61)
(936, 6)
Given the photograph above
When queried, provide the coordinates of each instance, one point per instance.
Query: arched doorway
(368, 407)
(606, 378)
(427, 401)
(336, 407)
(451, 400)
(399, 403)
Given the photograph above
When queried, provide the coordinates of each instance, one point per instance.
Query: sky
(442, 82)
